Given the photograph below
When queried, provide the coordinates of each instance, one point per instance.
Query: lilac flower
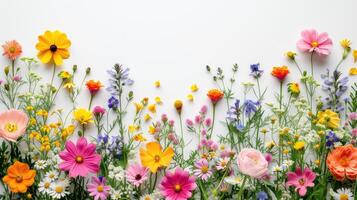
(250, 107)
(255, 71)
(119, 77)
(113, 102)
(234, 115)
(331, 138)
(336, 87)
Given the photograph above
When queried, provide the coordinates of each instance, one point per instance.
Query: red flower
(94, 86)
(215, 95)
(280, 72)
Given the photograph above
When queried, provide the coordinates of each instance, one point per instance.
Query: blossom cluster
(301, 145)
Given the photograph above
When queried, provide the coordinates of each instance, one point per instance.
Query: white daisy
(234, 180)
(59, 189)
(277, 168)
(41, 164)
(53, 175)
(342, 194)
(45, 186)
(115, 194)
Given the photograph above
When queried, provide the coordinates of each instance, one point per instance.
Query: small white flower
(234, 180)
(342, 193)
(115, 194)
(59, 189)
(41, 164)
(45, 186)
(277, 168)
(52, 175)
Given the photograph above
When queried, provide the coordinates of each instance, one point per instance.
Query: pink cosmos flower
(79, 159)
(312, 41)
(136, 174)
(301, 180)
(202, 169)
(252, 163)
(98, 189)
(222, 163)
(177, 185)
(13, 124)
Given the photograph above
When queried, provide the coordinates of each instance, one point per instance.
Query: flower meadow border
(300, 146)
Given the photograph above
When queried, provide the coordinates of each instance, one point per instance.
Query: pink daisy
(314, 42)
(222, 163)
(12, 49)
(136, 174)
(98, 189)
(301, 180)
(202, 169)
(177, 185)
(79, 159)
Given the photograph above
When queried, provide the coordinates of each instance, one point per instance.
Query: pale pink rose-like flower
(252, 162)
(13, 124)
(312, 41)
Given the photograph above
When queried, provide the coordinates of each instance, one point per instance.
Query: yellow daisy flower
(139, 137)
(157, 84)
(190, 97)
(353, 71)
(194, 88)
(158, 100)
(152, 130)
(83, 116)
(299, 145)
(152, 108)
(345, 43)
(290, 54)
(138, 107)
(147, 117)
(328, 118)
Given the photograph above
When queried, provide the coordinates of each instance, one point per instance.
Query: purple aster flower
(331, 138)
(113, 102)
(255, 71)
(250, 107)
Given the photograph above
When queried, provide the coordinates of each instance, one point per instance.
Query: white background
(173, 41)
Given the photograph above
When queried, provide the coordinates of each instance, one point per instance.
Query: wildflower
(152, 108)
(139, 137)
(147, 117)
(202, 169)
(291, 55)
(262, 195)
(354, 54)
(45, 186)
(346, 44)
(215, 95)
(136, 174)
(178, 106)
(353, 71)
(234, 180)
(59, 189)
(138, 107)
(280, 72)
(154, 157)
(252, 163)
(328, 118)
(222, 163)
(83, 116)
(331, 138)
(294, 89)
(69, 85)
(19, 177)
(51, 175)
(64, 75)
(98, 188)
(53, 46)
(113, 102)
(190, 97)
(157, 100)
(255, 71)
(93, 86)
(250, 107)
(152, 130)
(299, 145)
(157, 84)
(342, 194)
(314, 42)
(342, 162)
(301, 180)
(79, 159)
(194, 88)
(98, 110)
(119, 77)
(12, 49)
(177, 185)
(14, 124)
(41, 164)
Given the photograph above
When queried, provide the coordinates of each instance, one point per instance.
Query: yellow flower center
(46, 185)
(157, 158)
(100, 188)
(11, 127)
(147, 198)
(314, 44)
(343, 197)
(204, 169)
(223, 163)
(79, 159)
(12, 49)
(53, 48)
(51, 175)
(301, 182)
(59, 189)
(177, 188)
(19, 179)
(345, 162)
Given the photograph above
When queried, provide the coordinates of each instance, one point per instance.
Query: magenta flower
(301, 180)
(177, 185)
(314, 42)
(79, 159)
(97, 188)
(98, 110)
(136, 174)
(202, 169)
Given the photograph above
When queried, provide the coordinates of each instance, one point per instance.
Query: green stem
(241, 191)
(182, 140)
(53, 73)
(90, 101)
(213, 119)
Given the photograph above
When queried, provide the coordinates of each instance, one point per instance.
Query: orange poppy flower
(215, 95)
(93, 86)
(342, 162)
(280, 72)
(19, 177)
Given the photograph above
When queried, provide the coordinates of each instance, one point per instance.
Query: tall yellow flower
(154, 157)
(83, 116)
(354, 54)
(328, 118)
(53, 45)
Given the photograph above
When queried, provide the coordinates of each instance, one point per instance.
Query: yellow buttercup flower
(354, 54)
(69, 86)
(178, 106)
(294, 89)
(158, 100)
(353, 71)
(152, 130)
(346, 44)
(194, 88)
(153, 157)
(299, 145)
(290, 54)
(139, 137)
(157, 84)
(132, 128)
(152, 108)
(190, 97)
(83, 116)
(65, 75)
(328, 118)
(42, 113)
(53, 45)
(147, 117)
(138, 107)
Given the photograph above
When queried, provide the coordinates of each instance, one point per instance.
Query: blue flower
(113, 102)
(119, 77)
(102, 138)
(250, 107)
(116, 147)
(331, 138)
(234, 115)
(262, 196)
(255, 71)
(336, 86)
